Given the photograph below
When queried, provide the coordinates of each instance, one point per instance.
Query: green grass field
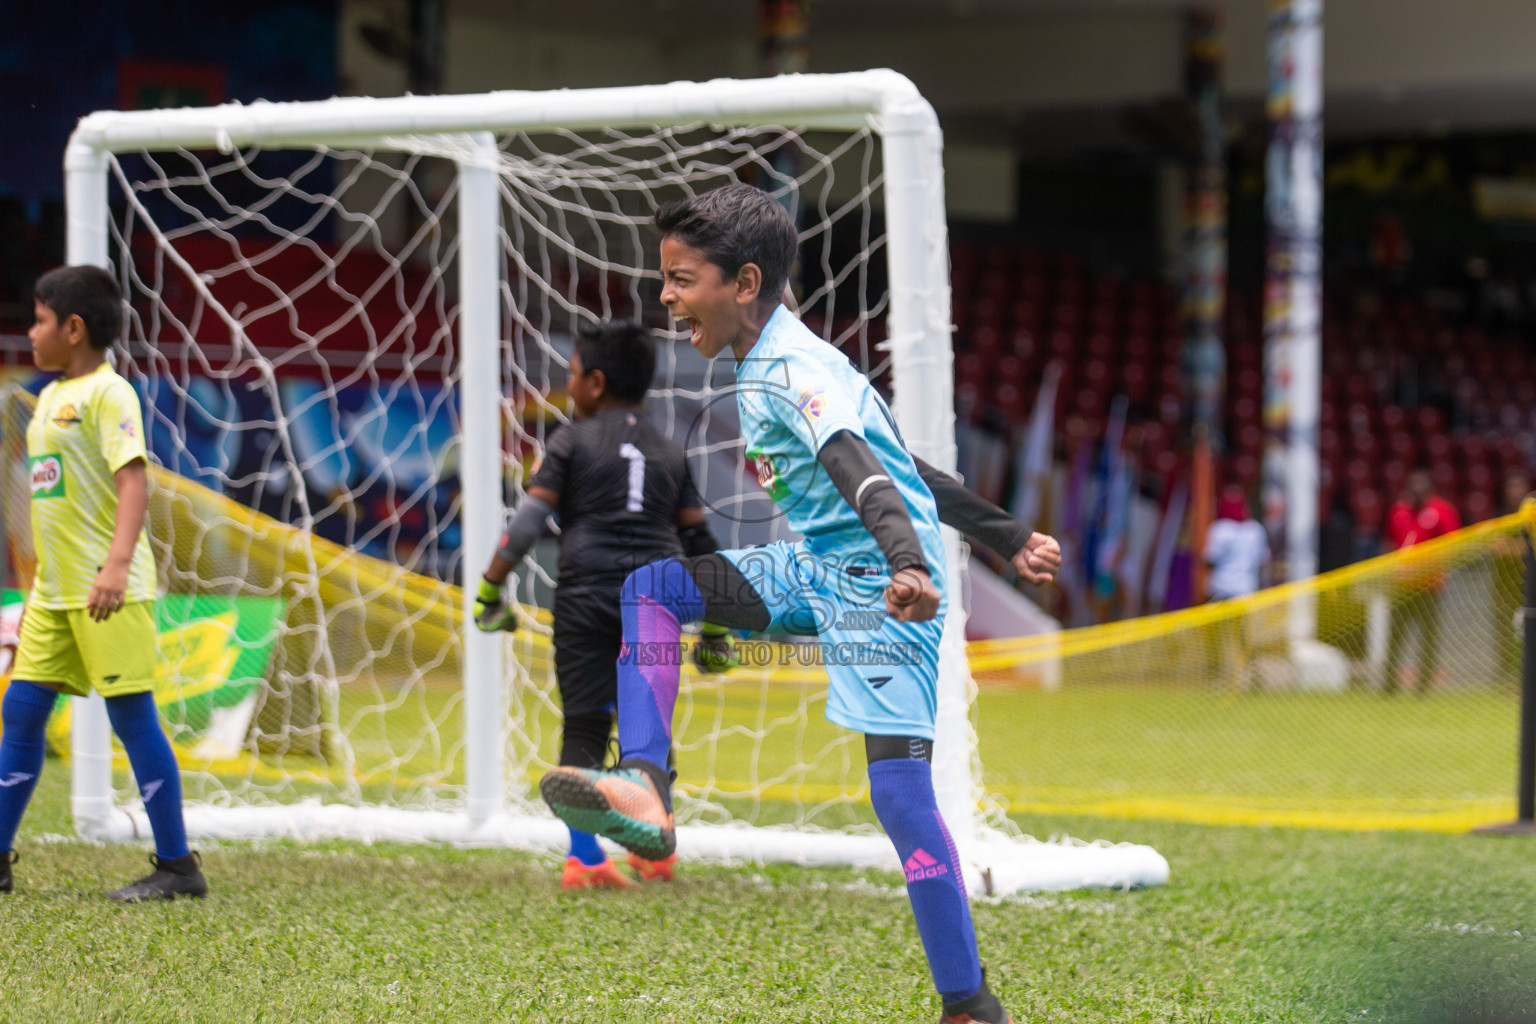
(1352, 760)
(1256, 924)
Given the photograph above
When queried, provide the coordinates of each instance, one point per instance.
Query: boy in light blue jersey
(867, 579)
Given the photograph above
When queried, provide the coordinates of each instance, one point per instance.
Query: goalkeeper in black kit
(623, 497)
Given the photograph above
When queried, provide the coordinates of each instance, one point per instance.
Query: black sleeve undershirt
(972, 514)
(869, 490)
(697, 540)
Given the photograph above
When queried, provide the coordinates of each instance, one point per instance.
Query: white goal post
(465, 129)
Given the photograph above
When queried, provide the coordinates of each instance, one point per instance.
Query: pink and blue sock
(656, 600)
(902, 792)
(24, 721)
(137, 724)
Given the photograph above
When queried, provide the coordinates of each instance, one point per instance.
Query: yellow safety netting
(1383, 695)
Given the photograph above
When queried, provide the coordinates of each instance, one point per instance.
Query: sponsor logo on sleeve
(47, 476)
(129, 428)
(813, 402)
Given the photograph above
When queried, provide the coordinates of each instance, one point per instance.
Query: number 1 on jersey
(636, 476)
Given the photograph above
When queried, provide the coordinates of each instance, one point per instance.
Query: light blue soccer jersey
(794, 392)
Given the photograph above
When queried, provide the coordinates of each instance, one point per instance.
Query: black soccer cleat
(981, 1008)
(7, 858)
(170, 879)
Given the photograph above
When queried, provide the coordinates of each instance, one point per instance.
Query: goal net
(350, 328)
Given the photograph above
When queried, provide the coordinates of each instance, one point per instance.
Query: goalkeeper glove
(492, 614)
(714, 652)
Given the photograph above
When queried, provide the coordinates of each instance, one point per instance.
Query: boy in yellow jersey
(89, 622)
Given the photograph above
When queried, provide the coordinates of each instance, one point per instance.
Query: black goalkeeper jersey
(621, 482)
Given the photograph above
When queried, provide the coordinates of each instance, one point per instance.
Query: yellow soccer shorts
(68, 650)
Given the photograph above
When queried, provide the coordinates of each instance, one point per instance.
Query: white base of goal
(995, 864)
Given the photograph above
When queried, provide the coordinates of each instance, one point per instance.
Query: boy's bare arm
(112, 580)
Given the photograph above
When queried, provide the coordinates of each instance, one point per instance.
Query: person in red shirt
(1419, 515)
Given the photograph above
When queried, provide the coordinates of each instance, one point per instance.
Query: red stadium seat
(1402, 446)
(1443, 474)
(1009, 398)
(986, 339)
(1170, 409)
(1245, 410)
(1170, 379)
(1096, 375)
(1363, 444)
(1366, 507)
(1250, 438)
(1022, 343)
(1135, 382)
(1394, 473)
(1360, 474)
(1477, 477)
(1477, 506)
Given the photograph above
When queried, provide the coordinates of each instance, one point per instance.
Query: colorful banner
(214, 657)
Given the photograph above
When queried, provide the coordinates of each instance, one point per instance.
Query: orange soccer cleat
(594, 876)
(623, 804)
(653, 870)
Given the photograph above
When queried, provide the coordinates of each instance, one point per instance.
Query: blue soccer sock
(24, 721)
(137, 724)
(656, 600)
(585, 849)
(902, 792)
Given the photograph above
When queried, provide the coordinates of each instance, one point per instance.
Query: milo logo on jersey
(47, 476)
(768, 475)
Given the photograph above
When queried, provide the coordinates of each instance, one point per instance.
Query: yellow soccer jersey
(84, 430)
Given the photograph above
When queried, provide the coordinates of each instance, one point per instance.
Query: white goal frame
(922, 382)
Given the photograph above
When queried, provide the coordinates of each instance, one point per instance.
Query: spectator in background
(1236, 550)
(1418, 516)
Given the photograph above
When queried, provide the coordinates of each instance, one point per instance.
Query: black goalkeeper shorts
(588, 631)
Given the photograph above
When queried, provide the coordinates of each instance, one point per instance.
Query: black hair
(735, 225)
(87, 292)
(626, 354)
